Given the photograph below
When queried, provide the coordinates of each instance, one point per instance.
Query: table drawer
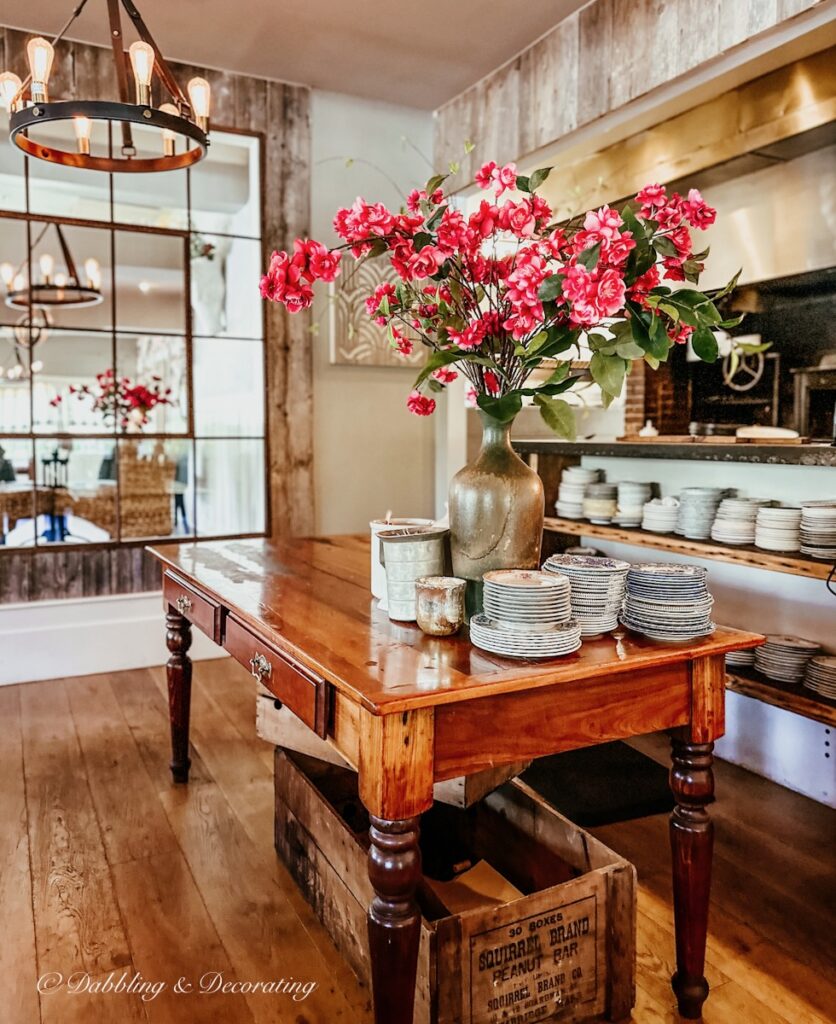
(202, 611)
(300, 690)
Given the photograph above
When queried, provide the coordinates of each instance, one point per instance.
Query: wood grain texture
(396, 763)
(609, 66)
(708, 699)
(783, 695)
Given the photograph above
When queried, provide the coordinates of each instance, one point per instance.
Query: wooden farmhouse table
(409, 710)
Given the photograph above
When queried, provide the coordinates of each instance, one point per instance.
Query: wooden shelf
(782, 695)
(795, 564)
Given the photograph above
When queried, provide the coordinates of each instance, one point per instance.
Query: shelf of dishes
(789, 697)
(690, 449)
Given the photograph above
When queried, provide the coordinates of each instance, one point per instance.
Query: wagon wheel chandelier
(183, 123)
(52, 290)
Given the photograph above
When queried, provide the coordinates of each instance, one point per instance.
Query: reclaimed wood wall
(281, 114)
(598, 59)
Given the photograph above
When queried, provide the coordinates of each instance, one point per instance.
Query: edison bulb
(41, 54)
(19, 283)
(93, 272)
(37, 366)
(7, 273)
(142, 61)
(60, 280)
(9, 88)
(83, 126)
(200, 94)
(169, 137)
(47, 265)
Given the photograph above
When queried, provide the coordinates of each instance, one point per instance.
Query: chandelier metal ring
(41, 296)
(105, 110)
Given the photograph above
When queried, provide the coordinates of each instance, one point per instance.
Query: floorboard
(134, 876)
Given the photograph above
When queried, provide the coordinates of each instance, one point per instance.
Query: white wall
(370, 453)
(780, 745)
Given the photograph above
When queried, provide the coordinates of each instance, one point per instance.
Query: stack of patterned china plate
(821, 676)
(785, 658)
(741, 659)
(777, 528)
(697, 507)
(632, 497)
(668, 602)
(818, 529)
(597, 589)
(660, 515)
(526, 615)
(573, 483)
(599, 503)
(734, 522)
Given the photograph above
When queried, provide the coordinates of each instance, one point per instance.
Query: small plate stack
(526, 616)
(777, 528)
(660, 515)
(597, 589)
(818, 529)
(697, 508)
(599, 503)
(741, 659)
(573, 484)
(668, 602)
(632, 496)
(785, 658)
(734, 522)
(821, 676)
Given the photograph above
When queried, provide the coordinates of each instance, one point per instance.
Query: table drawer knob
(260, 667)
(183, 604)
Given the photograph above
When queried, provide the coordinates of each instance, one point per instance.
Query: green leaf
(629, 350)
(665, 246)
(558, 415)
(649, 332)
(469, 146)
(734, 362)
(730, 287)
(538, 177)
(560, 374)
(589, 257)
(608, 372)
(421, 239)
(705, 344)
(501, 409)
(435, 361)
(652, 362)
(551, 288)
(560, 339)
(435, 181)
(454, 166)
(523, 183)
(435, 220)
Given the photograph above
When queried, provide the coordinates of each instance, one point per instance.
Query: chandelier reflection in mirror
(66, 288)
(183, 123)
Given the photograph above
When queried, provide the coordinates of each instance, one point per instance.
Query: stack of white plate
(526, 615)
(599, 503)
(597, 589)
(741, 659)
(777, 528)
(818, 529)
(632, 496)
(785, 658)
(573, 484)
(697, 508)
(668, 602)
(660, 515)
(734, 522)
(821, 676)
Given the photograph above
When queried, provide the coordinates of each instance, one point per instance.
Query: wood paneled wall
(595, 61)
(281, 114)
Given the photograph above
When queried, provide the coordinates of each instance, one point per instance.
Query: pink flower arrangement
(496, 293)
(119, 399)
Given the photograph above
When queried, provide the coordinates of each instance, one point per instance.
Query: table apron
(477, 734)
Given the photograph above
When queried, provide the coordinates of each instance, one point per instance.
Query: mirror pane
(17, 495)
(158, 199)
(225, 187)
(230, 487)
(157, 362)
(225, 274)
(12, 180)
(156, 488)
(76, 490)
(69, 191)
(150, 282)
(66, 395)
(228, 387)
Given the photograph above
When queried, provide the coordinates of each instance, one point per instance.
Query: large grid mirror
(174, 258)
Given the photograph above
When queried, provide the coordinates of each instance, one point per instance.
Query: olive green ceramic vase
(496, 511)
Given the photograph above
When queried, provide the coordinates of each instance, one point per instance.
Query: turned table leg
(178, 639)
(394, 917)
(692, 840)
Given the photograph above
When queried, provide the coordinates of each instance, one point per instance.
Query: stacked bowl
(777, 528)
(697, 508)
(573, 483)
(632, 497)
(526, 615)
(668, 602)
(734, 522)
(597, 589)
(818, 529)
(599, 503)
(660, 515)
(821, 676)
(785, 658)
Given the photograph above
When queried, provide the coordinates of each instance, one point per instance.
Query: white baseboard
(81, 636)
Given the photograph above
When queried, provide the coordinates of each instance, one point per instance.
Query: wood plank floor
(107, 870)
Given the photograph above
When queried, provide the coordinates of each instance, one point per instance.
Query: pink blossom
(602, 225)
(444, 375)
(385, 290)
(501, 178)
(323, 264)
(451, 233)
(424, 263)
(484, 221)
(681, 238)
(420, 405)
(673, 269)
(679, 334)
(284, 282)
(470, 396)
(518, 218)
(651, 196)
(403, 345)
(363, 220)
(484, 176)
(491, 382)
(697, 212)
(610, 293)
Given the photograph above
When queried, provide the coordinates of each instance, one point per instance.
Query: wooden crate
(565, 951)
(279, 726)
